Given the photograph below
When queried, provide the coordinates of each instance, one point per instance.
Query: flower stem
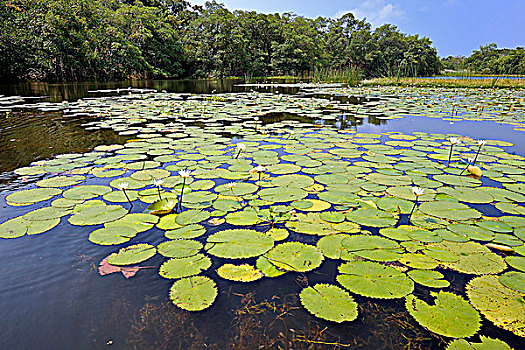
(450, 155)
(158, 189)
(238, 153)
(414, 207)
(477, 154)
(129, 201)
(181, 193)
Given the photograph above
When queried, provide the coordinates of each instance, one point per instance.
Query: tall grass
(347, 75)
(449, 83)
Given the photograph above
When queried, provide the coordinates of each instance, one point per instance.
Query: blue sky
(456, 27)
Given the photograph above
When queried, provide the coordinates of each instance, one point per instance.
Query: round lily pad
(473, 258)
(450, 316)
(500, 305)
(514, 280)
(372, 217)
(19, 226)
(86, 192)
(295, 256)
(186, 232)
(181, 248)
(374, 280)
(237, 244)
(28, 197)
(61, 181)
(449, 210)
(329, 302)
(239, 273)
(429, 278)
(185, 267)
(133, 254)
(194, 293)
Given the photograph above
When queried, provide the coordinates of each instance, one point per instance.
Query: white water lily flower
(185, 173)
(454, 140)
(258, 169)
(123, 185)
(241, 146)
(157, 182)
(482, 142)
(230, 185)
(417, 191)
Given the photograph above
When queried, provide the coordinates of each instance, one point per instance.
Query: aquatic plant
(453, 141)
(185, 174)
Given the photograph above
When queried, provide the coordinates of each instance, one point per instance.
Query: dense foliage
(490, 59)
(68, 40)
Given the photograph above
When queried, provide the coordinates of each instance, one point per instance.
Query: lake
(107, 242)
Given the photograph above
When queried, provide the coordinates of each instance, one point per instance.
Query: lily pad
(239, 273)
(374, 280)
(133, 254)
(237, 244)
(449, 210)
(181, 248)
(295, 256)
(329, 302)
(194, 293)
(185, 267)
(450, 316)
(28, 197)
(500, 305)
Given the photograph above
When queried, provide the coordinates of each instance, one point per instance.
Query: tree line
(72, 40)
(489, 59)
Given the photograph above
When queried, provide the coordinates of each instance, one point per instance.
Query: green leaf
(179, 249)
(450, 316)
(32, 196)
(449, 210)
(374, 280)
(185, 267)
(193, 293)
(329, 302)
(237, 244)
(500, 305)
(239, 273)
(295, 256)
(133, 254)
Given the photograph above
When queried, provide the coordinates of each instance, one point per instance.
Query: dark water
(51, 296)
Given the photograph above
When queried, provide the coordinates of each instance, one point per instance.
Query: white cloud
(377, 12)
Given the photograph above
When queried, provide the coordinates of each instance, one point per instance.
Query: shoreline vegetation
(448, 82)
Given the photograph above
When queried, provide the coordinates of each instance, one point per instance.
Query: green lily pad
(96, 212)
(186, 232)
(32, 196)
(295, 256)
(429, 278)
(418, 261)
(372, 217)
(133, 254)
(449, 210)
(450, 316)
(329, 302)
(372, 247)
(192, 217)
(194, 293)
(514, 280)
(374, 280)
(61, 181)
(239, 273)
(473, 258)
(500, 305)
(237, 244)
(185, 267)
(181, 248)
(86, 192)
(486, 344)
(19, 226)
(282, 194)
(139, 222)
(112, 235)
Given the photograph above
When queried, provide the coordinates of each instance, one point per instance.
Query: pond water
(334, 205)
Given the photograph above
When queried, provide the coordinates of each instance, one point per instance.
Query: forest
(489, 59)
(75, 40)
